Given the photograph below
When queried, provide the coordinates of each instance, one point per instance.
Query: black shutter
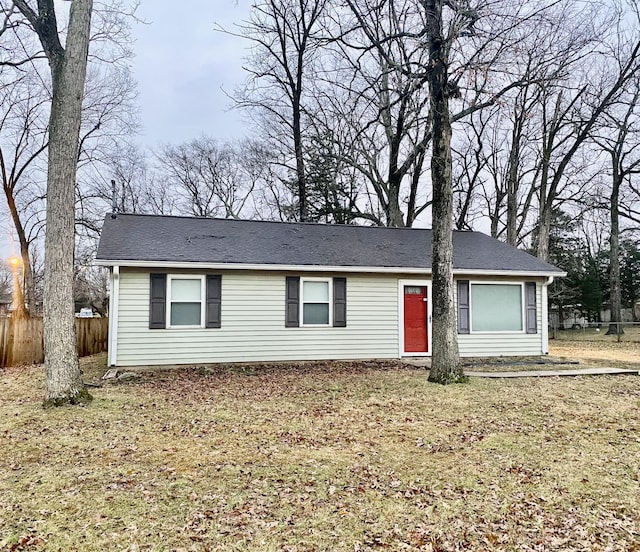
(157, 301)
(339, 302)
(214, 301)
(532, 313)
(292, 302)
(463, 307)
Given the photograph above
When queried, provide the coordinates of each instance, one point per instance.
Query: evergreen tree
(630, 274)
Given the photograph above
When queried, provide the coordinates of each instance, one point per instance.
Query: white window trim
(522, 307)
(302, 302)
(203, 303)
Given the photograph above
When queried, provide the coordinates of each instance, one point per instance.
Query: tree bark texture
(512, 183)
(395, 217)
(299, 152)
(615, 292)
(68, 68)
(544, 233)
(445, 362)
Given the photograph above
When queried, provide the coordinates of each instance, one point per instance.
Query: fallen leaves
(24, 542)
(323, 456)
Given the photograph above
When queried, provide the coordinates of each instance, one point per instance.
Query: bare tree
(108, 115)
(209, 177)
(91, 283)
(619, 137)
(285, 38)
(471, 165)
(572, 109)
(373, 85)
(24, 138)
(495, 168)
(504, 161)
(68, 70)
(445, 365)
(5, 283)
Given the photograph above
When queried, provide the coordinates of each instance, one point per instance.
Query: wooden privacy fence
(21, 339)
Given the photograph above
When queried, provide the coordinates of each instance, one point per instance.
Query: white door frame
(421, 283)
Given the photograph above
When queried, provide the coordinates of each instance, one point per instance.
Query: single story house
(198, 290)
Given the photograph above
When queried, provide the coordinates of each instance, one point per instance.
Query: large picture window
(315, 302)
(496, 308)
(185, 304)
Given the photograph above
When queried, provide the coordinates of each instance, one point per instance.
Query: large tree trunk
(63, 376)
(394, 212)
(445, 361)
(614, 258)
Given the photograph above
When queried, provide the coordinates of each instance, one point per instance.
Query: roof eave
(319, 268)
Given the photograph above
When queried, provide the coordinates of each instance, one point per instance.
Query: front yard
(327, 456)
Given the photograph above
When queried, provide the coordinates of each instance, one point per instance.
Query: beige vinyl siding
(253, 310)
(481, 344)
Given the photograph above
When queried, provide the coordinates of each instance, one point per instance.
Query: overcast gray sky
(182, 66)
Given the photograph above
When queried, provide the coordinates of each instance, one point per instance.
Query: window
(496, 308)
(185, 301)
(315, 301)
(414, 290)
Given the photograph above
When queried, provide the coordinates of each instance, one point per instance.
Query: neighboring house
(197, 290)
(628, 314)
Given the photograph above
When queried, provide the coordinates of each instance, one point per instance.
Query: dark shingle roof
(168, 239)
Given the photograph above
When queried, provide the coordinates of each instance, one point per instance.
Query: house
(198, 290)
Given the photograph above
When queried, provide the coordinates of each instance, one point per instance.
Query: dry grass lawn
(631, 333)
(326, 456)
(592, 346)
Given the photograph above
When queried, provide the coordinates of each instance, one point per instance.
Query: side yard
(590, 345)
(323, 456)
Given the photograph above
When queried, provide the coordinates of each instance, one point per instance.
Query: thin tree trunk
(494, 217)
(415, 183)
(300, 170)
(29, 284)
(614, 257)
(63, 376)
(445, 363)
(512, 187)
(27, 295)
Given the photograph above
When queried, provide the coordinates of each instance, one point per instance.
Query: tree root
(80, 398)
(449, 379)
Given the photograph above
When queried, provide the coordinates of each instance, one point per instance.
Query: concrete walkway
(422, 362)
(553, 373)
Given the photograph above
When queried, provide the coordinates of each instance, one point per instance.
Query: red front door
(416, 339)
